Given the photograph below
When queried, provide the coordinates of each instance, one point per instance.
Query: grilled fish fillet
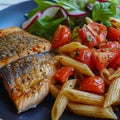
(27, 80)
(15, 43)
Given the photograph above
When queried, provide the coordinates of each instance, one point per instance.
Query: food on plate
(83, 97)
(93, 84)
(115, 22)
(114, 75)
(64, 73)
(96, 70)
(15, 43)
(61, 100)
(85, 37)
(27, 80)
(113, 93)
(85, 55)
(114, 34)
(26, 67)
(93, 111)
(93, 34)
(79, 66)
(71, 13)
(85, 70)
(68, 48)
(62, 36)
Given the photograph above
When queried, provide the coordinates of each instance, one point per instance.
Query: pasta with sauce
(97, 76)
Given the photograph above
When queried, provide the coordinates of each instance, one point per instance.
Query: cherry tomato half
(94, 84)
(113, 34)
(93, 34)
(85, 55)
(61, 37)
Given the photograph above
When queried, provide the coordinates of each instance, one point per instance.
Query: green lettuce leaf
(69, 5)
(103, 11)
(45, 27)
(74, 4)
(117, 2)
(41, 6)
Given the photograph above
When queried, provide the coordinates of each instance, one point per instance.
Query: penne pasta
(61, 100)
(116, 74)
(118, 102)
(54, 90)
(113, 93)
(70, 47)
(79, 66)
(92, 111)
(105, 75)
(115, 22)
(88, 20)
(83, 97)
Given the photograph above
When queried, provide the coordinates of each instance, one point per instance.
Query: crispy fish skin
(27, 80)
(16, 43)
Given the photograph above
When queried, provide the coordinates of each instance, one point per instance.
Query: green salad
(44, 19)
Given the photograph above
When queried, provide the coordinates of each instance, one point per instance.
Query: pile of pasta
(82, 102)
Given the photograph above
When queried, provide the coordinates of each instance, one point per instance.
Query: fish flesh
(27, 79)
(16, 43)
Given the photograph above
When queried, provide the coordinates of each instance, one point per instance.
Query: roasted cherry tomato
(61, 37)
(111, 45)
(93, 34)
(94, 84)
(113, 34)
(99, 30)
(103, 57)
(63, 74)
(116, 62)
(85, 55)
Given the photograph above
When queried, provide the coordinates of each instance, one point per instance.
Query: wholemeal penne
(92, 111)
(81, 67)
(115, 22)
(116, 74)
(83, 97)
(70, 47)
(105, 75)
(54, 90)
(118, 102)
(88, 20)
(61, 100)
(113, 93)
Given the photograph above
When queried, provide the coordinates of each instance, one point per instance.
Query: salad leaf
(69, 5)
(118, 12)
(45, 27)
(74, 4)
(117, 2)
(83, 3)
(103, 11)
(41, 6)
(99, 12)
(75, 32)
